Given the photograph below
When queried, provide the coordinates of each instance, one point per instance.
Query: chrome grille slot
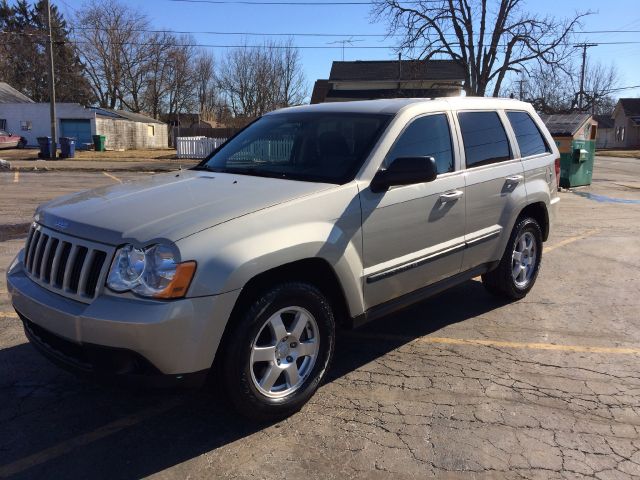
(72, 267)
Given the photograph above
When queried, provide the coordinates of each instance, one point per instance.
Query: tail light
(557, 164)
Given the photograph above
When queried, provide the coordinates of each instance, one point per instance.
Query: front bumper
(134, 335)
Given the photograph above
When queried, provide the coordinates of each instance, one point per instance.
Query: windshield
(317, 147)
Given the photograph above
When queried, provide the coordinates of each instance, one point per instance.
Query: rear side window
(485, 140)
(530, 139)
(427, 136)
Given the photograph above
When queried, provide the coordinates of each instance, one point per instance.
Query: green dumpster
(575, 135)
(576, 166)
(98, 142)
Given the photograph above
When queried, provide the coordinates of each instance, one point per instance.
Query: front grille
(70, 266)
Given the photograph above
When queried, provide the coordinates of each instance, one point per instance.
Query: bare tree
(180, 76)
(204, 78)
(158, 71)
(293, 82)
(556, 91)
(255, 80)
(110, 37)
(488, 38)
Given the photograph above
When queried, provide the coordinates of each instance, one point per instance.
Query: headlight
(152, 272)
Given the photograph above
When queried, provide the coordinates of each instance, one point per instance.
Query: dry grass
(619, 153)
(112, 156)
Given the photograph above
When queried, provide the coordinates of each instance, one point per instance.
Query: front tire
(278, 351)
(518, 269)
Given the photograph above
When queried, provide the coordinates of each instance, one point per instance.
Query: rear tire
(278, 351)
(519, 266)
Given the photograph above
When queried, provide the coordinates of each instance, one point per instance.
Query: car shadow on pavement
(54, 425)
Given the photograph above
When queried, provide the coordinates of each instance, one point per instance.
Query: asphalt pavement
(461, 386)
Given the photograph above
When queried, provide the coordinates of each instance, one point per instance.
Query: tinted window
(485, 140)
(529, 138)
(429, 137)
(322, 147)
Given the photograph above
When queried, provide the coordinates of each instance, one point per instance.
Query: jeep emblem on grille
(62, 224)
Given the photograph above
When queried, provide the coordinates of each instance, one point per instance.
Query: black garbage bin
(67, 147)
(46, 148)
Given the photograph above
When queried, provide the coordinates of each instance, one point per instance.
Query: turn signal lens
(180, 283)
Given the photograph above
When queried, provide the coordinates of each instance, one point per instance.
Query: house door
(80, 129)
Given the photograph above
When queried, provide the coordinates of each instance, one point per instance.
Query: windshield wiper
(203, 167)
(256, 172)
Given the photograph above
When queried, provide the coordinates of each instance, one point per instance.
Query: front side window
(529, 137)
(321, 147)
(485, 140)
(427, 136)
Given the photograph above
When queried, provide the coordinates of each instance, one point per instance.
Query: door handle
(451, 196)
(514, 179)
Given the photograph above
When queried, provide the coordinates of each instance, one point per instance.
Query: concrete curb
(12, 231)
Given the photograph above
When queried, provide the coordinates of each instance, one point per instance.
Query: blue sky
(351, 20)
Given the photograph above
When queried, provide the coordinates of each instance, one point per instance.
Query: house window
(151, 130)
(25, 125)
(3, 124)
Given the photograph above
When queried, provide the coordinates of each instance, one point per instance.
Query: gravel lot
(460, 386)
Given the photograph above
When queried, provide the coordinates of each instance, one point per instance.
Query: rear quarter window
(530, 139)
(484, 137)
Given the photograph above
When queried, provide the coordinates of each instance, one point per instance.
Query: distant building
(371, 79)
(123, 130)
(8, 94)
(626, 119)
(606, 131)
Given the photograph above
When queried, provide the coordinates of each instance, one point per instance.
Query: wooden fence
(197, 147)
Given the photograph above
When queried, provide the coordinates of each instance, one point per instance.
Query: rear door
(536, 155)
(413, 235)
(495, 187)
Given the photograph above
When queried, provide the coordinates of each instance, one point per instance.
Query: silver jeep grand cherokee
(309, 217)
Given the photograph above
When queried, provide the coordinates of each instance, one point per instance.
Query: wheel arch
(539, 212)
(316, 271)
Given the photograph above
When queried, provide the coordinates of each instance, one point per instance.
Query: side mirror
(405, 171)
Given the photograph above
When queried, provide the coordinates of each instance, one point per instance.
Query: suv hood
(168, 206)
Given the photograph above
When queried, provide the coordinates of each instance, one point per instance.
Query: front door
(414, 235)
(495, 186)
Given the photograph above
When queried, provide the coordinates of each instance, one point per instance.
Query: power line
(44, 34)
(296, 34)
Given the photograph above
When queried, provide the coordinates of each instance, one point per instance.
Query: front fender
(231, 254)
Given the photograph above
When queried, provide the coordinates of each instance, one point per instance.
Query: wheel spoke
(264, 354)
(523, 243)
(299, 324)
(517, 256)
(292, 375)
(270, 377)
(306, 349)
(277, 327)
(522, 273)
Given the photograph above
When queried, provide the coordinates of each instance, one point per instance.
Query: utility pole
(52, 88)
(521, 89)
(584, 47)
